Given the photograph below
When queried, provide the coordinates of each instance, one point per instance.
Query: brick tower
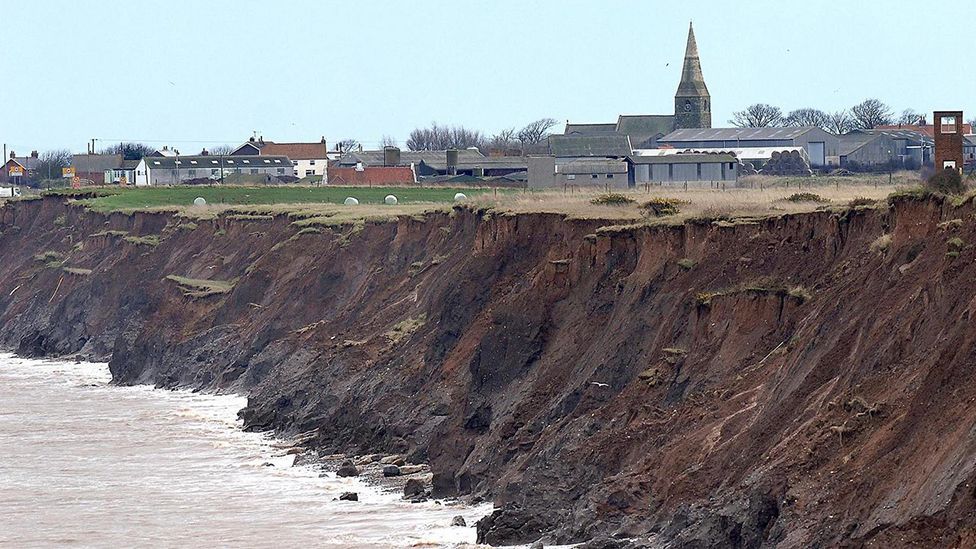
(692, 104)
(948, 140)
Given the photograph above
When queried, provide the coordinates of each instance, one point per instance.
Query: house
(817, 143)
(20, 170)
(173, 170)
(310, 159)
(125, 174)
(686, 169)
(371, 175)
(969, 150)
(94, 166)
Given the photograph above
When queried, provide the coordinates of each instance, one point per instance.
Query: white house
(308, 159)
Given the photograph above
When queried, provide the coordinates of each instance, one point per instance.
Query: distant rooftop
(732, 134)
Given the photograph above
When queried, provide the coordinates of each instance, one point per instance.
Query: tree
(971, 122)
(437, 138)
(840, 122)
(759, 115)
(49, 164)
(808, 117)
(348, 144)
(870, 113)
(503, 140)
(909, 117)
(535, 132)
(130, 151)
(388, 141)
(221, 150)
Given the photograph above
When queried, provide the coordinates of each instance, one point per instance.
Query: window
(230, 161)
(571, 177)
(178, 162)
(281, 171)
(214, 172)
(192, 172)
(247, 161)
(309, 172)
(609, 176)
(254, 170)
(214, 162)
(277, 161)
(156, 162)
(294, 162)
(594, 176)
(193, 162)
(948, 124)
(266, 161)
(311, 162)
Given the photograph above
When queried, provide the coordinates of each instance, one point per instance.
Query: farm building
(173, 170)
(694, 169)
(817, 143)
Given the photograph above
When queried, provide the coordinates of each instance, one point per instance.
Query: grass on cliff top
(181, 197)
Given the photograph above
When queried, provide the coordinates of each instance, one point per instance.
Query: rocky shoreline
(720, 383)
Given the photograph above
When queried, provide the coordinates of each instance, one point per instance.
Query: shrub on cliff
(660, 207)
(948, 181)
(612, 199)
(807, 197)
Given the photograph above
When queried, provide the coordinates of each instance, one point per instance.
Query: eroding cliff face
(797, 380)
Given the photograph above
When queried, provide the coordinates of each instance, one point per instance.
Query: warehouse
(817, 143)
(693, 169)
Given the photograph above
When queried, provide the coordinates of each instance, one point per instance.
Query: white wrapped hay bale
(391, 200)
(350, 201)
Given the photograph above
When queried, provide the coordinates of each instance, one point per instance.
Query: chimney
(261, 140)
(250, 139)
(13, 154)
(204, 152)
(391, 156)
(452, 161)
(165, 147)
(33, 154)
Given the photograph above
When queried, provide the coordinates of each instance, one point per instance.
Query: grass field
(147, 198)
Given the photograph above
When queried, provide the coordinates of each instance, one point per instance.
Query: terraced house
(173, 170)
(309, 159)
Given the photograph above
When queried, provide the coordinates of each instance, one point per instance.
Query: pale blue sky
(190, 73)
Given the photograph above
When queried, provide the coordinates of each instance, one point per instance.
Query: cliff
(798, 380)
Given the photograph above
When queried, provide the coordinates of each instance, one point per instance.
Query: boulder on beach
(393, 460)
(459, 521)
(391, 471)
(411, 469)
(349, 496)
(413, 487)
(347, 469)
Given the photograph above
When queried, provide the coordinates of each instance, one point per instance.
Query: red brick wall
(948, 146)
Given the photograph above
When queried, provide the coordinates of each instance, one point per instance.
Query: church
(692, 108)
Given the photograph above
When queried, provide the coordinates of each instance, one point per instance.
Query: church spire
(692, 103)
(692, 81)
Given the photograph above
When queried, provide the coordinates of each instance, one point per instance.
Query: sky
(192, 74)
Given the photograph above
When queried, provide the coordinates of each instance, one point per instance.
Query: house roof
(911, 135)
(591, 165)
(213, 162)
(587, 129)
(430, 158)
(589, 145)
(91, 163)
(294, 151)
(733, 134)
(371, 175)
(927, 129)
(683, 158)
(645, 124)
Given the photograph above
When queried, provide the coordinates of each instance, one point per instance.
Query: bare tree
(388, 141)
(808, 117)
(870, 113)
(909, 117)
(348, 144)
(221, 150)
(535, 132)
(972, 122)
(437, 138)
(49, 164)
(130, 151)
(759, 115)
(840, 122)
(503, 140)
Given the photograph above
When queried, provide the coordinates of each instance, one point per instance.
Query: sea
(84, 463)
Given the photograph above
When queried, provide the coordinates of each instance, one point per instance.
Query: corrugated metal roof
(567, 146)
(742, 153)
(733, 134)
(850, 142)
(586, 129)
(375, 158)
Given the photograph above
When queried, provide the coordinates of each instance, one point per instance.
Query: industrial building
(817, 143)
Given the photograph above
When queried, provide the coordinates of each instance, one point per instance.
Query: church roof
(692, 80)
(609, 145)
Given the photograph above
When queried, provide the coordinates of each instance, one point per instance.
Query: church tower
(692, 104)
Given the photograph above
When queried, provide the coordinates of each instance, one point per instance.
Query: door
(817, 151)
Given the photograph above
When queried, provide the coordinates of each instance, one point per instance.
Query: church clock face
(687, 106)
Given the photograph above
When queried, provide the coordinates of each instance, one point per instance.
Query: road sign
(16, 171)
(76, 182)
(68, 172)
